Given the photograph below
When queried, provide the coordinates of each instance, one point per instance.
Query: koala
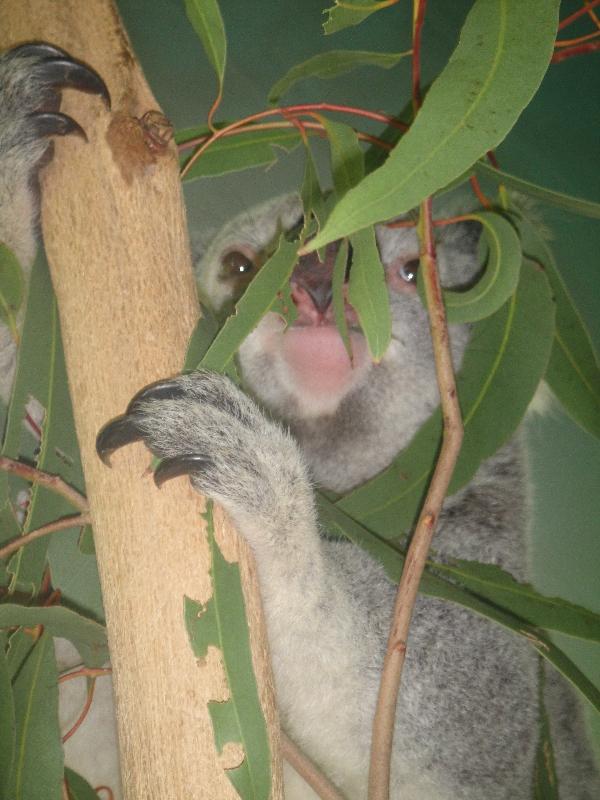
(467, 725)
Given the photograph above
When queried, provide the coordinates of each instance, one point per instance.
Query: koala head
(305, 372)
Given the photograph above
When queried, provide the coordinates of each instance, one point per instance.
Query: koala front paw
(31, 79)
(202, 425)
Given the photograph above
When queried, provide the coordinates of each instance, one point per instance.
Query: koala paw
(202, 425)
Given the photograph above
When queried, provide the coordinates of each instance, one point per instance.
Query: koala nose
(315, 276)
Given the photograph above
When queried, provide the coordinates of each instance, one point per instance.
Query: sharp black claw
(116, 433)
(159, 390)
(40, 49)
(65, 73)
(53, 123)
(177, 466)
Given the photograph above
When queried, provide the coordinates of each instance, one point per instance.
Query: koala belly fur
(467, 722)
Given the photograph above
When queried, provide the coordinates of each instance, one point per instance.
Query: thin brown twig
(85, 672)
(318, 782)
(84, 712)
(579, 13)
(76, 521)
(416, 557)
(578, 50)
(52, 482)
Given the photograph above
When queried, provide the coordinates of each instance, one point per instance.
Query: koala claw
(53, 123)
(116, 433)
(180, 465)
(159, 390)
(59, 71)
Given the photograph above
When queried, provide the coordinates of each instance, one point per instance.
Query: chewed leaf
(12, 288)
(207, 21)
(503, 364)
(239, 719)
(253, 305)
(573, 373)
(499, 279)
(499, 62)
(331, 65)
(244, 150)
(343, 14)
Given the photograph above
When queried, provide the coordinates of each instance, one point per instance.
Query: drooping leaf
(500, 588)
(207, 21)
(331, 65)
(7, 725)
(38, 765)
(431, 584)
(79, 788)
(504, 49)
(241, 151)
(499, 279)
(203, 336)
(506, 357)
(367, 291)
(310, 192)
(252, 306)
(12, 288)
(350, 12)
(573, 372)
(239, 719)
(89, 637)
(40, 424)
(576, 205)
(338, 300)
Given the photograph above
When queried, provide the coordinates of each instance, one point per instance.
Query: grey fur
(467, 725)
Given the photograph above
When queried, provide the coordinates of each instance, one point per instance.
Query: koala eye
(237, 265)
(408, 271)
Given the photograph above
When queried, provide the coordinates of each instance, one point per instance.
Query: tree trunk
(116, 239)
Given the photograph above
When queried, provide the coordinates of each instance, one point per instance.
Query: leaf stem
(579, 13)
(302, 764)
(416, 557)
(52, 482)
(75, 521)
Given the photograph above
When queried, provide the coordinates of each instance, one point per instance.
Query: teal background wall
(555, 143)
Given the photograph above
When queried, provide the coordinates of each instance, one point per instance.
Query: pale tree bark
(115, 234)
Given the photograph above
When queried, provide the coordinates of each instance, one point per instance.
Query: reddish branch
(579, 13)
(579, 50)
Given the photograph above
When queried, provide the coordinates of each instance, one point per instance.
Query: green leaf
(38, 767)
(347, 161)
(368, 294)
(89, 637)
(243, 150)
(500, 588)
(310, 193)
(12, 288)
(350, 12)
(576, 205)
(499, 279)
(338, 301)
(434, 586)
(504, 49)
(207, 21)
(252, 306)
(331, 65)
(506, 357)
(545, 779)
(222, 623)
(203, 336)
(573, 373)
(7, 725)
(79, 788)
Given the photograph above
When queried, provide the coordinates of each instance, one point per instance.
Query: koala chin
(467, 724)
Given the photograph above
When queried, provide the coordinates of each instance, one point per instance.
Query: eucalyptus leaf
(7, 725)
(573, 373)
(38, 765)
(79, 788)
(545, 779)
(343, 15)
(252, 306)
(12, 288)
(222, 623)
(240, 151)
(202, 337)
(506, 357)
(503, 52)
(310, 192)
(207, 21)
(566, 202)
(331, 65)
(432, 585)
(500, 276)
(89, 637)
(338, 300)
